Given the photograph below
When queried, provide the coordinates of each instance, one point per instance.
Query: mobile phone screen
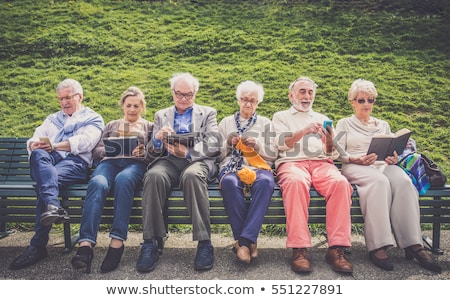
(327, 123)
(45, 140)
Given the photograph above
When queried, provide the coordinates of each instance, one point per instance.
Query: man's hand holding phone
(46, 144)
(328, 126)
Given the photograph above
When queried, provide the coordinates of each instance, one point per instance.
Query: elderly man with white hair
(189, 165)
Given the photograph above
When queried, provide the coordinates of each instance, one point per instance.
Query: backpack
(423, 172)
(435, 175)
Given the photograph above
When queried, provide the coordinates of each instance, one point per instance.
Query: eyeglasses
(362, 101)
(181, 95)
(67, 98)
(251, 101)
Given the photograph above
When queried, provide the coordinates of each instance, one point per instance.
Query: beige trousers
(389, 203)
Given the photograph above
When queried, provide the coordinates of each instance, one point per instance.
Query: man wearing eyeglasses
(187, 165)
(60, 154)
(306, 154)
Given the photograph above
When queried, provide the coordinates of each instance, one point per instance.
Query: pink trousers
(295, 180)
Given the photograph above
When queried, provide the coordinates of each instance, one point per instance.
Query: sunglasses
(362, 101)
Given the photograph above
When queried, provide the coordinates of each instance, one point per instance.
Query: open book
(384, 145)
(187, 139)
(120, 146)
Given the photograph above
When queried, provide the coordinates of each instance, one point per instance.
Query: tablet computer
(120, 146)
(187, 139)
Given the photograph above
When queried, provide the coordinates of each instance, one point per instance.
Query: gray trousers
(162, 176)
(389, 204)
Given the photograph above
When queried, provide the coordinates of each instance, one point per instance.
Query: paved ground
(176, 263)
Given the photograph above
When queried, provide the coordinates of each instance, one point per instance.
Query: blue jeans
(124, 176)
(51, 172)
(246, 220)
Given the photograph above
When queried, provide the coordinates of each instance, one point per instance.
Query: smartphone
(327, 123)
(45, 140)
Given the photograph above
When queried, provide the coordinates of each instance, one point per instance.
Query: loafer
(382, 263)
(338, 261)
(29, 257)
(300, 262)
(204, 258)
(112, 259)
(83, 259)
(425, 261)
(54, 214)
(148, 258)
(253, 249)
(242, 253)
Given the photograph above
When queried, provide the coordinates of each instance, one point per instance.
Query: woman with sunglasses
(387, 196)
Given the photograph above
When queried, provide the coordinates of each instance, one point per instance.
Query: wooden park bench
(18, 201)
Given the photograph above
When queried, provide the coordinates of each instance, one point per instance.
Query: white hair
(74, 85)
(187, 77)
(248, 87)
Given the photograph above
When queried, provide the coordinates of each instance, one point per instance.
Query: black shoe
(385, 263)
(83, 259)
(112, 259)
(204, 259)
(149, 256)
(55, 215)
(425, 262)
(31, 256)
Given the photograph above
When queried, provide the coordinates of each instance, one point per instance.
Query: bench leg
(3, 227)
(434, 244)
(3, 230)
(67, 238)
(437, 238)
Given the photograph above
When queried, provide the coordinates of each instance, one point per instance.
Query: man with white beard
(306, 154)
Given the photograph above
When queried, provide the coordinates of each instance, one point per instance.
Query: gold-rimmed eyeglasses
(251, 101)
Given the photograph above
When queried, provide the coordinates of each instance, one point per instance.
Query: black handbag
(435, 175)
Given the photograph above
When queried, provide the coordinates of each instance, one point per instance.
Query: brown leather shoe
(242, 253)
(300, 262)
(336, 258)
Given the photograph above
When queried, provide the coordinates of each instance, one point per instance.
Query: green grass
(402, 46)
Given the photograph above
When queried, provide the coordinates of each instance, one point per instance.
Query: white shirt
(310, 147)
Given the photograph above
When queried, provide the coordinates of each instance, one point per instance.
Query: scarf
(87, 117)
(246, 175)
(235, 162)
(411, 162)
(413, 166)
